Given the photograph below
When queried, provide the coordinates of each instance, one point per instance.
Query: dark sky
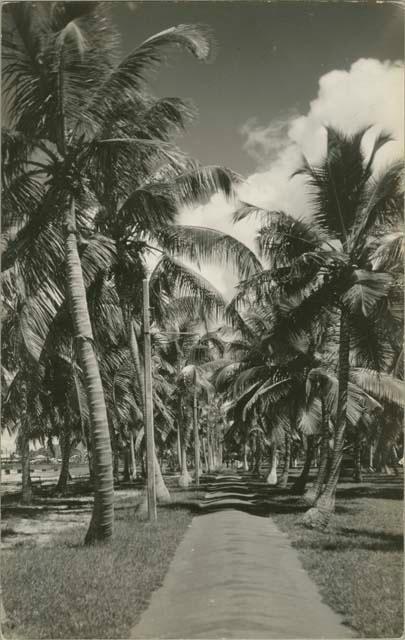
(270, 58)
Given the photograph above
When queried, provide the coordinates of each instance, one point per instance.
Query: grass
(70, 591)
(358, 562)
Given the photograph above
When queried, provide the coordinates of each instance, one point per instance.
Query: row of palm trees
(92, 181)
(323, 337)
(92, 184)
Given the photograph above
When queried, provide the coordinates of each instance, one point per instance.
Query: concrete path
(235, 575)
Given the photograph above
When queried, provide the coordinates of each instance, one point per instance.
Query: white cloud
(371, 92)
(264, 143)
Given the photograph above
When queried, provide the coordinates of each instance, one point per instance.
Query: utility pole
(148, 407)
(196, 440)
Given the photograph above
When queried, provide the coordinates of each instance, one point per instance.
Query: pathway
(235, 575)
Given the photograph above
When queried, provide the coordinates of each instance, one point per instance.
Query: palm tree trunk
(65, 447)
(26, 493)
(185, 478)
(319, 515)
(220, 454)
(272, 476)
(102, 520)
(312, 494)
(90, 459)
(245, 457)
(258, 459)
(300, 484)
(179, 445)
(24, 447)
(196, 440)
(209, 448)
(132, 453)
(116, 465)
(357, 475)
(162, 492)
(286, 462)
(371, 456)
(127, 464)
(204, 448)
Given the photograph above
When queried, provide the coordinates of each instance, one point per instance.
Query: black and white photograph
(202, 319)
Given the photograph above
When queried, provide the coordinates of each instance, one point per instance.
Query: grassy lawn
(70, 591)
(358, 562)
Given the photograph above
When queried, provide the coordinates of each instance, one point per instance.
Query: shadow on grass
(382, 492)
(357, 539)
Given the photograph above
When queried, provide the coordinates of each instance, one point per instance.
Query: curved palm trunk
(313, 492)
(102, 520)
(300, 484)
(65, 447)
(162, 492)
(319, 515)
(286, 461)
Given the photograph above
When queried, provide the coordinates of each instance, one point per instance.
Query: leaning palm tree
(326, 263)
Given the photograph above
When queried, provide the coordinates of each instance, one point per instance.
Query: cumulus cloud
(370, 92)
(265, 143)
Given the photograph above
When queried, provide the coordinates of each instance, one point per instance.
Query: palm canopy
(333, 260)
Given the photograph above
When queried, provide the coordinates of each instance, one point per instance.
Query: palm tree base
(316, 518)
(283, 482)
(96, 535)
(310, 496)
(272, 478)
(26, 496)
(184, 480)
(162, 494)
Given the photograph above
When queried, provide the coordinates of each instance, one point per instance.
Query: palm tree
(326, 263)
(25, 398)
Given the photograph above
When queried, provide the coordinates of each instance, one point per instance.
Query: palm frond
(369, 288)
(381, 386)
(205, 245)
(269, 392)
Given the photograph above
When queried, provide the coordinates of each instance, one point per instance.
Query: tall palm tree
(326, 263)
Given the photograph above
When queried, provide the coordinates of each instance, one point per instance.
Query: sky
(282, 71)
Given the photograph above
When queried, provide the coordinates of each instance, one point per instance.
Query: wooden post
(148, 407)
(196, 440)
